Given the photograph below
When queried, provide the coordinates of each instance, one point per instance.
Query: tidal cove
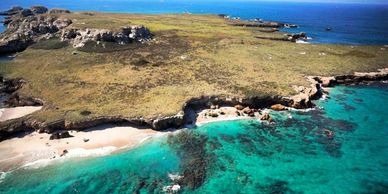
(293, 155)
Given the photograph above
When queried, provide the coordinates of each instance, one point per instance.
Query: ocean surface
(351, 23)
(296, 154)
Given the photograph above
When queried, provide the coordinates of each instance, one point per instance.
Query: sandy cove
(37, 150)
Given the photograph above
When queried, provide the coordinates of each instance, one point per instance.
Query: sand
(35, 150)
(17, 112)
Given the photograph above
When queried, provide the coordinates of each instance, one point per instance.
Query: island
(162, 71)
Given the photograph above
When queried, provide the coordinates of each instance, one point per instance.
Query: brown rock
(239, 107)
(247, 110)
(266, 117)
(213, 114)
(278, 107)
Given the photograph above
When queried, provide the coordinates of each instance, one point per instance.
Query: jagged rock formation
(125, 36)
(26, 26)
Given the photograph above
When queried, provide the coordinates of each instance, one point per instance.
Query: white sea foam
(72, 153)
(302, 42)
(2, 176)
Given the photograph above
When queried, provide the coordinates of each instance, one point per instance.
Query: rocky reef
(27, 26)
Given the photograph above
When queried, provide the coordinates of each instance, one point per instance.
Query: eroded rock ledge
(300, 101)
(125, 36)
(27, 26)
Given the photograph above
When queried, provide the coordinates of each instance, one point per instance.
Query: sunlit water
(294, 155)
(350, 23)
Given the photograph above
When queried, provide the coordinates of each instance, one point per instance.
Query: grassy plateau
(190, 56)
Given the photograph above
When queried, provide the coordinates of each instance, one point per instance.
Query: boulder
(278, 107)
(248, 110)
(60, 135)
(64, 152)
(239, 107)
(213, 114)
(266, 117)
(38, 9)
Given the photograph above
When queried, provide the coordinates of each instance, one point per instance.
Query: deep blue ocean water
(350, 23)
(294, 155)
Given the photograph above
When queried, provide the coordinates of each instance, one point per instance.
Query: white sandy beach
(17, 112)
(102, 140)
(35, 149)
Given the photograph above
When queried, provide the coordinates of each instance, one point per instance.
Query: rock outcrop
(38, 9)
(125, 36)
(14, 10)
(175, 121)
(27, 26)
(58, 11)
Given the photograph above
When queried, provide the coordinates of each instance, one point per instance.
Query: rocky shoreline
(190, 110)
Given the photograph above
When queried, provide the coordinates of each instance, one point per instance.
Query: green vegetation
(191, 56)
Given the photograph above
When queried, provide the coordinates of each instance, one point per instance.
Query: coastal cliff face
(300, 101)
(28, 26)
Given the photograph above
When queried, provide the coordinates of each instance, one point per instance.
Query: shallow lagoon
(294, 155)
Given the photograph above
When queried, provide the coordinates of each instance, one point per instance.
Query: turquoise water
(350, 23)
(294, 155)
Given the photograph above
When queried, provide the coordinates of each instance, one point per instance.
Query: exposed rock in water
(266, 117)
(297, 36)
(60, 135)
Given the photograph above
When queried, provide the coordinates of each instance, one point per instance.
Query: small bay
(293, 155)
